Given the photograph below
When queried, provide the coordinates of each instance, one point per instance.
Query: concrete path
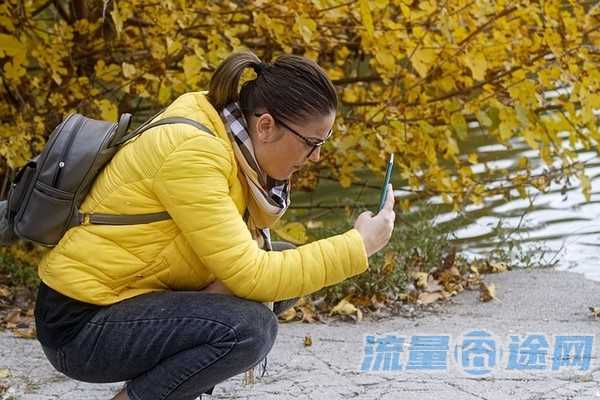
(547, 303)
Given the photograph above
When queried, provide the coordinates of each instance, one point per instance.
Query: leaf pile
(425, 288)
(16, 309)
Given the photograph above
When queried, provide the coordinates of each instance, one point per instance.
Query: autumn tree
(415, 77)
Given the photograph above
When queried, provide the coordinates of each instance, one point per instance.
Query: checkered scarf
(269, 197)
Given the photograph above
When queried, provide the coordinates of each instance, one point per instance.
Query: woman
(175, 307)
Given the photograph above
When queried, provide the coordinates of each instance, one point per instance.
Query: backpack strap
(165, 121)
(110, 219)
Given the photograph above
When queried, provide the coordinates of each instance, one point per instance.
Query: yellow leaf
(459, 123)
(14, 71)
(10, 46)
(421, 279)
(6, 23)
(586, 186)
(488, 292)
(4, 373)
(306, 27)
(451, 146)
(381, 4)
(309, 314)
(117, 19)
(164, 93)
(191, 69)
(386, 59)
(405, 10)
(472, 158)
(294, 232)
(498, 267)
(484, 119)
(367, 19)
(108, 111)
(288, 315)
(344, 307)
(128, 70)
(105, 72)
(595, 311)
(307, 341)
(173, 46)
(422, 60)
(477, 64)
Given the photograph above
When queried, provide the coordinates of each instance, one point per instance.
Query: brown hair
(291, 88)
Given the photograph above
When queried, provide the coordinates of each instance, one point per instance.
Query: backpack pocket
(7, 233)
(45, 223)
(20, 186)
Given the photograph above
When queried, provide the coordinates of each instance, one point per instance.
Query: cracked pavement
(542, 302)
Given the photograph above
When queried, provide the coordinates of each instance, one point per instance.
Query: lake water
(562, 228)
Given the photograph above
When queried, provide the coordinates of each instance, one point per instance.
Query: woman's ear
(265, 128)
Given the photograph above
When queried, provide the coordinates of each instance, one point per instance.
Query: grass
(17, 273)
(415, 244)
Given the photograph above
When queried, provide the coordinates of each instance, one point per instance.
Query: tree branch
(356, 79)
(41, 8)
(63, 13)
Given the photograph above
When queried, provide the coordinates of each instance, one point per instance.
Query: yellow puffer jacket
(193, 176)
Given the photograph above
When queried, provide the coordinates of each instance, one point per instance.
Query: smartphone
(386, 181)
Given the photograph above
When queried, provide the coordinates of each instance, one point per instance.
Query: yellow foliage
(411, 75)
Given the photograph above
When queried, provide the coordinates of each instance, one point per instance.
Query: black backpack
(44, 198)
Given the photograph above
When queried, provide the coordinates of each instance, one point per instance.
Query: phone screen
(386, 181)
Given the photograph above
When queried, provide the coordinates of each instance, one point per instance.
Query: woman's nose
(315, 155)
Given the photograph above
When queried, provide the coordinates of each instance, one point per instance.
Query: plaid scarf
(269, 197)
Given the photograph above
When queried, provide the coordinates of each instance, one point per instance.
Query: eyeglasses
(311, 142)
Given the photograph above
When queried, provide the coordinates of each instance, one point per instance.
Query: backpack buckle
(84, 219)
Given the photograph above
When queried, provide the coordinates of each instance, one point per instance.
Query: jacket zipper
(61, 163)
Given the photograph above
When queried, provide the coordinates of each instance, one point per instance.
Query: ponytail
(224, 84)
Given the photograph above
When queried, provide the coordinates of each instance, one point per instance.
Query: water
(562, 227)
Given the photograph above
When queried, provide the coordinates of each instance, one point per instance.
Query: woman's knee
(259, 332)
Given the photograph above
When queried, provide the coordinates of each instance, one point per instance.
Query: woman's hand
(217, 287)
(376, 231)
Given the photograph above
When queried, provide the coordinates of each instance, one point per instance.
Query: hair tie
(259, 67)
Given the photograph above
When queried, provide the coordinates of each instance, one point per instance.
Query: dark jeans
(170, 345)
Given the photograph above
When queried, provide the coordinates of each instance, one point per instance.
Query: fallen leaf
(249, 378)
(595, 311)
(433, 285)
(26, 334)
(421, 279)
(403, 297)
(307, 341)
(309, 315)
(450, 280)
(428, 298)
(488, 292)
(453, 271)
(493, 267)
(288, 315)
(13, 316)
(376, 303)
(4, 373)
(344, 307)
